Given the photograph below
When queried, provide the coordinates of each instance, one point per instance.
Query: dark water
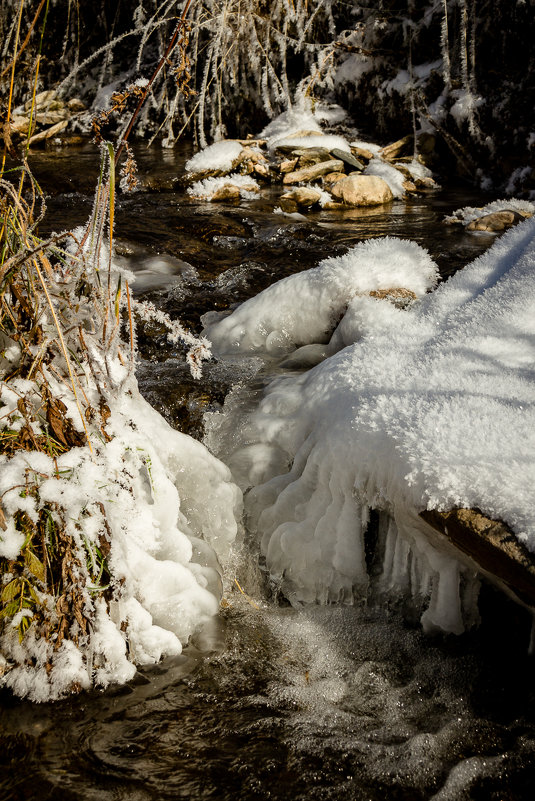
(274, 703)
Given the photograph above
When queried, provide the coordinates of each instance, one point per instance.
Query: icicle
(445, 46)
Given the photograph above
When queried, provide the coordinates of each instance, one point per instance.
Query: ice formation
(427, 407)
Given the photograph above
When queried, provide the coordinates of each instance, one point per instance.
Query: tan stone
(41, 100)
(261, 170)
(302, 196)
(333, 177)
(409, 186)
(312, 155)
(49, 132)
(399, 296)
(226, 193)
(75, 105)
(313, 172)
(362, 153)
(362, 190)
(497, 221)
(288, 166)
(395, 149)
(254, 156)
(52, 117)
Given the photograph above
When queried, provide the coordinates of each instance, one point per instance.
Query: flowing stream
(272, 702)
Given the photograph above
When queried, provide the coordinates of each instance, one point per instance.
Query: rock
(426, 144)
(497, 221)
(252, 142)
(313, 172)
(347, 158)
(362, 190)
(226, 193)
(398, 148)
(52, 117)
(333, 177)
(262, 171)
(409, 186)
(254, 156)
(49, 132)
(75, 105)
(399, 296)
(332, 205)
(303, 197)
(288, 166)
(299, 134)
(361, 153)
(309, 156)
(491, 545)
(41, 100)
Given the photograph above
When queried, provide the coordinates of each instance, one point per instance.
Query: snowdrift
(430, 407)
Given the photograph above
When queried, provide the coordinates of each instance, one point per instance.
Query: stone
(52, 117)
(362, 153)
(409, 186)
(262, 171)
(362, 190)
(313, 172)
(288, 166)
(399, 296)
(254, 156)
(75, 105)
(311, 155)
(42, 99)
(226, 193)
(495, 222)
(333, 177)
(347, 158)
(398, 148)
(303, 197)
(49, 132)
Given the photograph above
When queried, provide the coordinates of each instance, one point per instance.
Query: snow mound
(432, 408)
(219, 156)
(304, 308)
(468, 214)
(209, 186)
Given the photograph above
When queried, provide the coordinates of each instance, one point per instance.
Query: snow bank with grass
(432, 407)
(160, 510)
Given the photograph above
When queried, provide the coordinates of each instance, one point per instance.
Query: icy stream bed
(273, 702)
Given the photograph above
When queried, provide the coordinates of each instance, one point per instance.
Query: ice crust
(426, 408)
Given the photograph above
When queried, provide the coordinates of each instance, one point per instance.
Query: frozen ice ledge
(398, 431)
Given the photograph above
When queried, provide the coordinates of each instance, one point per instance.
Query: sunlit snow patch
(429, 407)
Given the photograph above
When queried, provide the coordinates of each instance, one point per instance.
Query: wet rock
(362, 190)
(313, 172)
(262, 171)
(348, 159)
(42, 99)
(52, 117)
(409, 186)
(303, 197)
(495, 222)
(491, 545)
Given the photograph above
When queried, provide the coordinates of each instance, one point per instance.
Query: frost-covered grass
(427, 407)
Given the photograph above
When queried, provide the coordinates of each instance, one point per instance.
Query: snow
(467, 214)
(304, 307)
(394, 178)
(219, 156)
(169, 511)
(209, 186)
(432, 407)
(284, 130)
